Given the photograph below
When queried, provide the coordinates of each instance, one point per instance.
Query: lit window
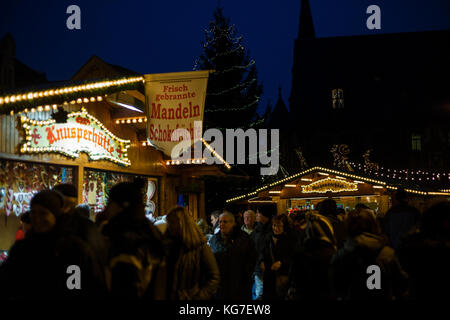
(416, 140)
(337, 96)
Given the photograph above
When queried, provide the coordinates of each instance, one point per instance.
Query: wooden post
(201, 211)
(79, 183)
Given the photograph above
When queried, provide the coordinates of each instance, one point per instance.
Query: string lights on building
(71, 94)
(357, 179)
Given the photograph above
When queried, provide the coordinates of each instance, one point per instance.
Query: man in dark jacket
(235, 255)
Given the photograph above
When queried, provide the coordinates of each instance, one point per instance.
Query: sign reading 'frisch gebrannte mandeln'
(81, 133)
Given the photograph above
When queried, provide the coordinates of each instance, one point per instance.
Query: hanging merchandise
(150, 206)
(92, 193)
(21, 180)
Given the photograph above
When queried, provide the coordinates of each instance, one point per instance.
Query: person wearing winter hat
(69, 193)
(45, 207)
(132, 239)
(33, 268)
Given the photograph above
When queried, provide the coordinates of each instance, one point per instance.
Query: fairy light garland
(233, 88)
(188, 161)
(234, 109)
(130, 120)
(322, 170)
(398, 173)
(214, 153)
(252, 62)
(20, 101)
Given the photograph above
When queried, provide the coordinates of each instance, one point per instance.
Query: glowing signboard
(81, 133)
(329, 185)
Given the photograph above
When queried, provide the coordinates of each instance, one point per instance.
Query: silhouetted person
(83, 210)
(73, 223)
(136, 267)
(364, 247)
(309, 273)
(192, 271)
(401, 219)
(328, 209)
(37, 266)
(425, 255)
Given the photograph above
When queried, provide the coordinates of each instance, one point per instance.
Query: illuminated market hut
(304, 190)
(90, 133)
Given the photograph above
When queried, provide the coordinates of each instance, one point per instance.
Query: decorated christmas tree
(233, 90)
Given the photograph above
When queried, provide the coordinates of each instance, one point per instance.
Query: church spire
(306, 25)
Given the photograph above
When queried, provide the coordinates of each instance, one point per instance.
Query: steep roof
(280, 113)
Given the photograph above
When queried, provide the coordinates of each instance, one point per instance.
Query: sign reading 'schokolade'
(81, 133)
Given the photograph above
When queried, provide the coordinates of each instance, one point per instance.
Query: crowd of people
(255, 254)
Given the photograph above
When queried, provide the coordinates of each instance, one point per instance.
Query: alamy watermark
(374, 20)
(374, 281)
(74, 20)
(74, 280)
(235, 142)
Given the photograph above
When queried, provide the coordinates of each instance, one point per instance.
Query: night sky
(156, 36)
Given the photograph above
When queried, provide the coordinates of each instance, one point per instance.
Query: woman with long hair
(193, 273)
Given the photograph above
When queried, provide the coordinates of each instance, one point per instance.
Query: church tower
(303, 65)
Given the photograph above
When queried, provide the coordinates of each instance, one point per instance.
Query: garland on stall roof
(21, 105)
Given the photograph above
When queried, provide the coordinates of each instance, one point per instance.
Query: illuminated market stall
(304, 190)
(87, 135)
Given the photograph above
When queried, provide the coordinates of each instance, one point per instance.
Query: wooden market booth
(98, 141)
(307, 188)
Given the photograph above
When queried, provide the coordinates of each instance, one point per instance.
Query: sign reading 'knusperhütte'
(81, 133)
(174, 101)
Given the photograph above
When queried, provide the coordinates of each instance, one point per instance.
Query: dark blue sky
(154, 36)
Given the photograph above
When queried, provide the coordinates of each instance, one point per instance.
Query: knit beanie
(51, 200)
(126, 194)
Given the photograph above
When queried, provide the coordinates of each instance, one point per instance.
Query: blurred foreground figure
(192, 270)
(74, 222)
(37, 266)
(401, 219)
(366, 246)
(425, 255)
(136, 264)
(309, 274)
